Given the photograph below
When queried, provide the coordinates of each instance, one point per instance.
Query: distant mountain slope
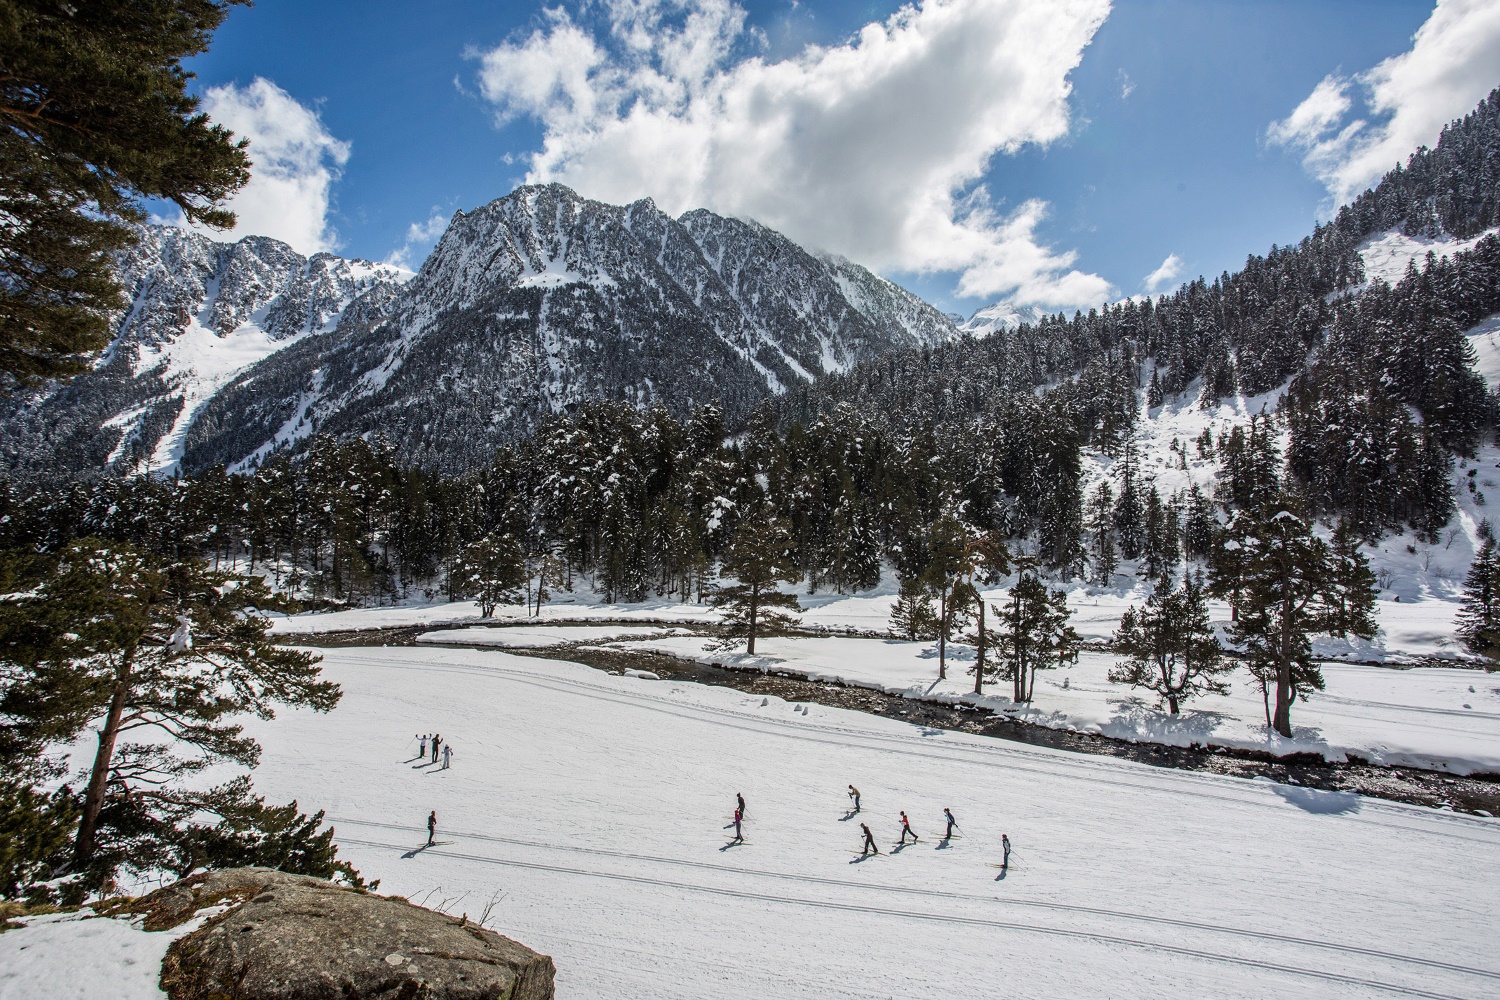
(543, 300)
(198, 313)
(526, 308)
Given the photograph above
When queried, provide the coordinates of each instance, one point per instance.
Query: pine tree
(1288, 591)
(758, 556)
(125, 642)
(1031, 633)
(96, 116)
(1171, 645)
(1479, 612)
(1129, 513)
(1351, 608)
(1101, 521)
(1154, 395)
(913, 617)
(492, 572)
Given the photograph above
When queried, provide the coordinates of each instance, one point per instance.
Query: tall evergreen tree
(95, 115)
(124, 642)
(1170, 645)
(913, 617)
(493, 572)
(1288, 594)
(1031, 633)
(1479, 612)
(758, 557)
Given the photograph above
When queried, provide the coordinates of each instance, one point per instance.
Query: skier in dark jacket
(431, 826)
(952, 823)
(436, 742)
(906, 828)
(1005, 846)
(739, 802)
(854, 794)
(869, 842)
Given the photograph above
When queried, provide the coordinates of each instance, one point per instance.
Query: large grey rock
(289, 937)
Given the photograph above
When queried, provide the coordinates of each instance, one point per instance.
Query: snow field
(598, 805)
(1423, 717)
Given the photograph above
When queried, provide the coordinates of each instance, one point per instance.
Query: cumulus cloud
(1452, 65)
(1169, 271)
(420, 236)
(874, 148)
(294, 162)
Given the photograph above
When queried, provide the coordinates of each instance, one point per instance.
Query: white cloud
(294, 163)
(419, 236)
(1169, 271)
(873, 149)
(1127, 85)
(1454, 62)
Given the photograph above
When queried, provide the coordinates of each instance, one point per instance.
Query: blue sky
(382, 117)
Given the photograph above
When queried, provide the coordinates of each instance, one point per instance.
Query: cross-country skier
(952, 823)
(869, 841)
(1005, 846)
(906, 828)
(436, 742)
(739, 802)
(431, 826)
(422, 748)
(447, 756)
(854, 794)
(739, 815)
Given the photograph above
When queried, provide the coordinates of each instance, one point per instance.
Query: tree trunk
(1283, 719)
(943, 635)
(754, 608)
(979, 661)
(93, 801)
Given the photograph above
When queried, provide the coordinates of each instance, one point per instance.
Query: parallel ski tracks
(943, 894)
(976, 921)
(1104, 770)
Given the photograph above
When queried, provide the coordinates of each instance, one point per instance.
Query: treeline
(1245, 333)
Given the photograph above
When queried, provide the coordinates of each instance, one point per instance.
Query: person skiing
(431, 826)
(422, 747)
(436, 742)
(906, 828)
(447, 755)
(739, 838)
(952, 823)
(854, 795)
(1005, 846)
(869, 841)
(739, 802)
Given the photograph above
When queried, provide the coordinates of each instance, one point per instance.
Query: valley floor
(1398, 702)
(597, 805)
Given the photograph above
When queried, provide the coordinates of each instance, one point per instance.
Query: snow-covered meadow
(597, 805)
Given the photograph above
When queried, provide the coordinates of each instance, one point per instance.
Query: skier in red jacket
(906, 828)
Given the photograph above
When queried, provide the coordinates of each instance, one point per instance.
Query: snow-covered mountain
(543, 300)
(1002, 315)
(199, 312)
(526, 308)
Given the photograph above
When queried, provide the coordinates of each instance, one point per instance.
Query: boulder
(273, 936)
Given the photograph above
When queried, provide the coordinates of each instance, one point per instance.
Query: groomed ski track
(561, 786)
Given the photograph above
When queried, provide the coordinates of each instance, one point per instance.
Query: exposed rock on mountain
(526, 308)
(198, 312)
(542, 300)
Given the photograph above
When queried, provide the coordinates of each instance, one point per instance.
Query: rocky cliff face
(526, 308)
(198, 313)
